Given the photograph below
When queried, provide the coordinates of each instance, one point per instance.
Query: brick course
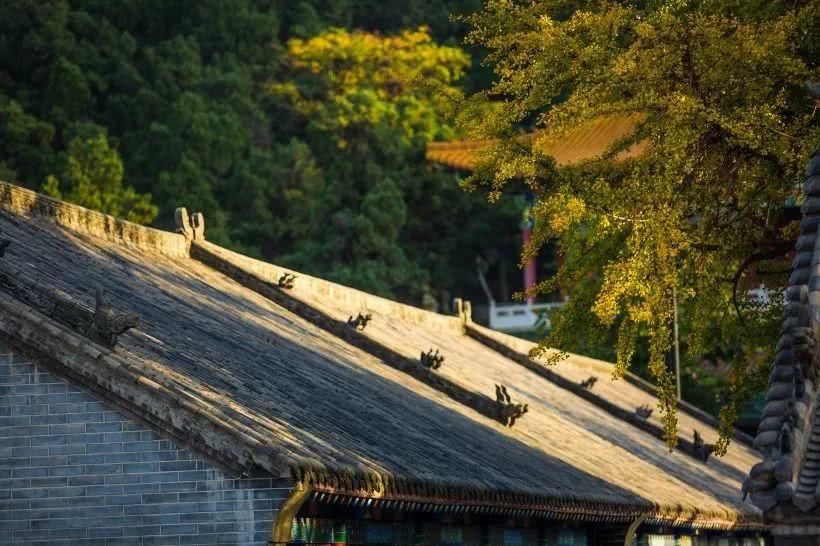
(74, 471)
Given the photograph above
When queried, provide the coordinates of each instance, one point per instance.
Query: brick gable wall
(74, 471)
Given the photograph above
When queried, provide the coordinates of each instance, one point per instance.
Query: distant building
(158, 389)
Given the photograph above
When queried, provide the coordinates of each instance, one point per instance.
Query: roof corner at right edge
(785, 485)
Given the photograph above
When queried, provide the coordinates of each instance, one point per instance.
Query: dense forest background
(293, 126)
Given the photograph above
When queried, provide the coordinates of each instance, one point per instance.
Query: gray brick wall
(74, 471)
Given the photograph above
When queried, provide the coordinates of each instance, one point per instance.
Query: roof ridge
(518, 350)
(684, 445)
(352, 298)
(250, 279)
(24, 202)
(261, 277)
(271, 273)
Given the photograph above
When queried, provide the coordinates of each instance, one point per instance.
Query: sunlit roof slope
(257, 374)
(558, 419)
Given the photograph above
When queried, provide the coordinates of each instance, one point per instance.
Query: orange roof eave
(586, 142)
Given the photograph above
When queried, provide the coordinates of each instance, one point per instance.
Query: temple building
(156, 388)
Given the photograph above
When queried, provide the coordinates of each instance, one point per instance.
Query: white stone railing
(515, 317)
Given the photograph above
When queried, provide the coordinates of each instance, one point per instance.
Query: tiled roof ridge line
(261, 277)
(515, 344)
(357, 300)
(785, 431)
(684, 445)
(806, 452)
(24, 202)
(808, 449)
(209, 255)
(351, 298)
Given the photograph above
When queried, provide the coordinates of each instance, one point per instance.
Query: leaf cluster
(692, 202)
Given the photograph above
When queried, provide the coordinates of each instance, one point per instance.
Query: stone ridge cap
(787, 435)
(524, 346)
(805, 443)
(356, 300)
(351, 298)
(27, 203)
(20, 201)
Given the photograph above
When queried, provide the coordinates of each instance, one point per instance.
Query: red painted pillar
(529, 268)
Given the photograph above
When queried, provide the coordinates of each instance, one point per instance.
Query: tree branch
(776, 249)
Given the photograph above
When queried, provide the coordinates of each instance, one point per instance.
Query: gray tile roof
(252, 382)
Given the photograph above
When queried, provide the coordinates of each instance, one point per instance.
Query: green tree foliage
(182, 92)
(26, 140)
(367, 121)
(379, 15)
(718, 90)
(354, 83)
(92, 177)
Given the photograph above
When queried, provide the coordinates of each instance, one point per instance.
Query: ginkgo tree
(724, 124)
(347, 82)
